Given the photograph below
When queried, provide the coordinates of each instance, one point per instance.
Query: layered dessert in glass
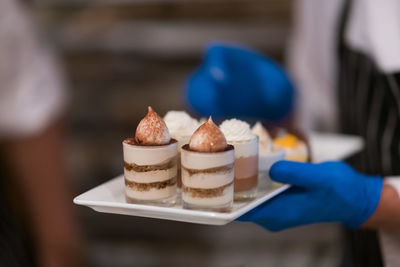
(181, 126)
(239, 135)
(268, 154)
(207, 170)
(150, 163)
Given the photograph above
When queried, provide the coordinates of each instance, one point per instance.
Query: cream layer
(201, 161)
(225, 198)
(246, 148)
(150, 176)
(152, 194)
(207, 180)
(148, 155)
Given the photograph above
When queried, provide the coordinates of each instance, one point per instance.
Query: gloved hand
(235, 82)
(326, 192)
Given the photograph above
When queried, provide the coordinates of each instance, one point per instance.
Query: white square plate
(109, 197)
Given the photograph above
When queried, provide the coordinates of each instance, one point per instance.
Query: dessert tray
(110, 198)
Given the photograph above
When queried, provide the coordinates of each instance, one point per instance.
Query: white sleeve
(390, 241)
(31, 87)
(374, 30)
(394, 181)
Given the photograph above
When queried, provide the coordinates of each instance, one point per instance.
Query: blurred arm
(39, 165)
(387, 214)
(32, 97)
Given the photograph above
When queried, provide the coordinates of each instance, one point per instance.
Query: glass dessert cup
(265, 162)
(246, 169)
(150, 173)
(207, 179)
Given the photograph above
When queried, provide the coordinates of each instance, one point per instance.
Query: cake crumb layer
(205, 193)
(148, 186)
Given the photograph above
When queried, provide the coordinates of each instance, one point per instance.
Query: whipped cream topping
(264, 140)
(180, 123)
(236, 130)
(152, 130)
(208, 138)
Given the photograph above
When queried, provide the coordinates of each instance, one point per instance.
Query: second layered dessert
(207, 170)
(268, 154)
(181, 126)
(238, 134)
(150, 163)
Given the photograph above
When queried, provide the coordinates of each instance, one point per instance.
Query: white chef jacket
(31, 87)
(373, 28)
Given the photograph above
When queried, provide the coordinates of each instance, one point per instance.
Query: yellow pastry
(296, 150)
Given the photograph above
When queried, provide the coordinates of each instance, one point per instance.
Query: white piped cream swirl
(264, 140)
(180, 123)
(236, 130)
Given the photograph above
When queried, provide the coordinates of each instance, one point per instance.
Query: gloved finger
(201, 94)
(278, 99)
(299, 174)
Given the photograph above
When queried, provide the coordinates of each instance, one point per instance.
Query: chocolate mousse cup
(246, 168)
(207, 179)
(150, 173)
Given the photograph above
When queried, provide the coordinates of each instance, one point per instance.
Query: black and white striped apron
(369, 106)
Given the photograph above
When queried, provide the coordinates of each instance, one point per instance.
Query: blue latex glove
(237, 82)
(326, 192)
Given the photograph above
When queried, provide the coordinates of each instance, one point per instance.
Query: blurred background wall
(121, 56)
